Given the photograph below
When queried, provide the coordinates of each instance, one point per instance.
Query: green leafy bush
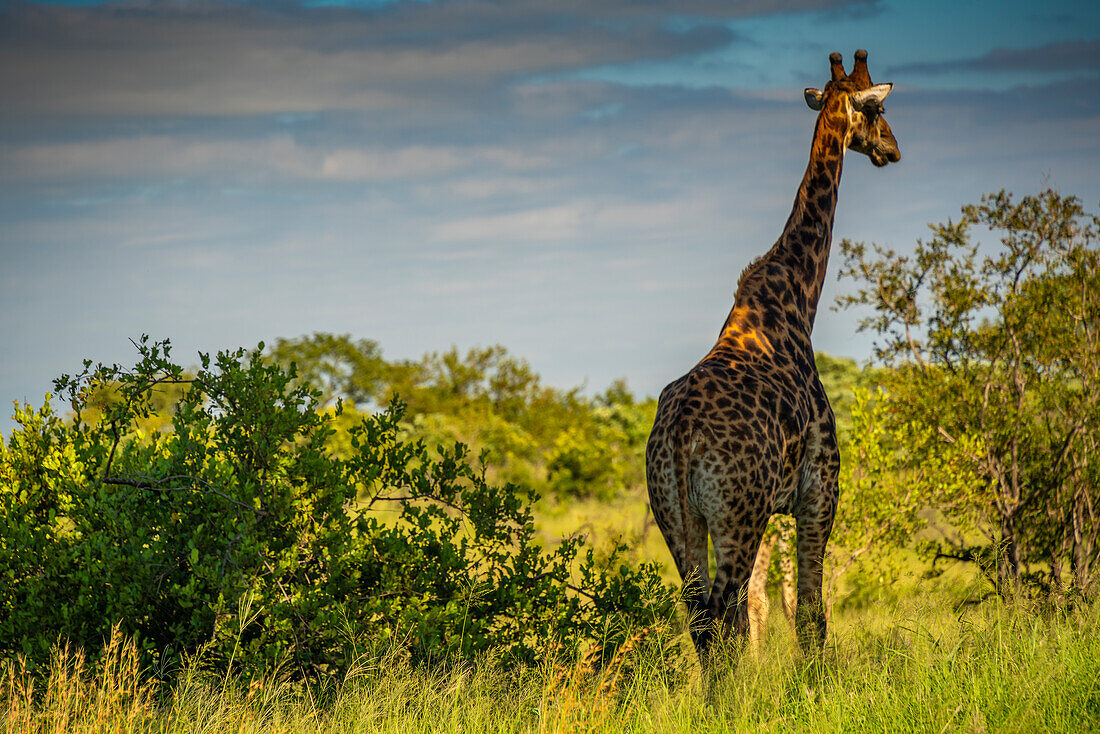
(238, 532)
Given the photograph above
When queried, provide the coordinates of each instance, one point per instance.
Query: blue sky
(581, 182)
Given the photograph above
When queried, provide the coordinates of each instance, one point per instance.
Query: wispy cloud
(488, 187)
(538, 139)
(277, 158)
(586, 221)
(546, 223)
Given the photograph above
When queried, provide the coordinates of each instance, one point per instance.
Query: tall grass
(114, 698)
(914, 667)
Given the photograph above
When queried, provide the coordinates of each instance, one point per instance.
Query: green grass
(912, 666)
(905, 655)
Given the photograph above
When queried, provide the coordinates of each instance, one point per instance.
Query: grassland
(920, 655)
(914, 667)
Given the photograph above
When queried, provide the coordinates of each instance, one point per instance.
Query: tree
(993, 382)
(541, 437)
(340, 367)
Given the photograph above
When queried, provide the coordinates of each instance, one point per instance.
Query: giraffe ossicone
(748, 432)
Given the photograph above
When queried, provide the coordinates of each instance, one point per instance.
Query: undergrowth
(917, 666)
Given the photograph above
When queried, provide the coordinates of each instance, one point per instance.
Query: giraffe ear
(871, 97)
(813, 98)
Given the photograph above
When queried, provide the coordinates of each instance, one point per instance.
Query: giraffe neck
(804, 245)
(802, 250)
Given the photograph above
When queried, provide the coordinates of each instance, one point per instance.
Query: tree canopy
(990, 407)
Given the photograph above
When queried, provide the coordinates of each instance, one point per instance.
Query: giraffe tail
(696, 590)
(681, 476)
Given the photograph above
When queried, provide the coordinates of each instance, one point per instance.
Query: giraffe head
(852, 97)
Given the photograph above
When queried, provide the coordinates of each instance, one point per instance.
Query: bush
(238, 533)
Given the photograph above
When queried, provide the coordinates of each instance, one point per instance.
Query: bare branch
(154, 485)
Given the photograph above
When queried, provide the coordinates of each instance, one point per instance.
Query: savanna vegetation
(307, 536)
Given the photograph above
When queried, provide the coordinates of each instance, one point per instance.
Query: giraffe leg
(813, 528)
(758, 591)
(687, 541)
(735, 555)
(695, 572)
(785, 528)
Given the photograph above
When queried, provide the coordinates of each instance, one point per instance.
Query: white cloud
(546, 223)
(375, 165)
(589, 220)
(656, 218)
(248, 160)
(489, 187)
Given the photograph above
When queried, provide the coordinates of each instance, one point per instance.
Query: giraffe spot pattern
(748, 432)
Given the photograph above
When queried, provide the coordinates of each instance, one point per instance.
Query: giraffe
(748, 432)
(776, 537)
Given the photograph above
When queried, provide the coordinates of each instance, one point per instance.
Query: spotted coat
(748, 432)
